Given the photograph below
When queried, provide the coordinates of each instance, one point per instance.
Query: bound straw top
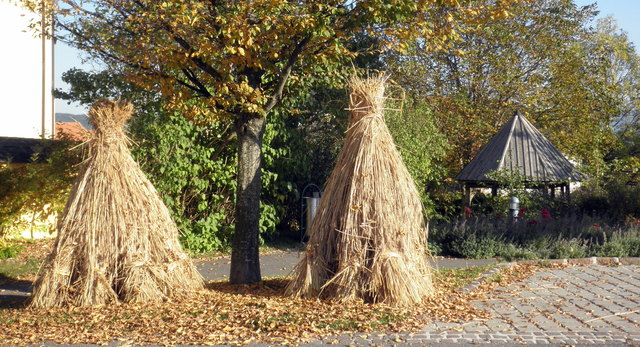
(107, 116)
(367, 98)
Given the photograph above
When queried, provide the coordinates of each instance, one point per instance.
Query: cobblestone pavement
(569, 306)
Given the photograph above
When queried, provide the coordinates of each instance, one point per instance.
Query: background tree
(237, 59)
(422, 146)
(545, 60)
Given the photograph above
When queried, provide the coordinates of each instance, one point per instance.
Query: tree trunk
(245, 263)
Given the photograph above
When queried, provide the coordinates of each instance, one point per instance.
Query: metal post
(311, 203)
(514, 207)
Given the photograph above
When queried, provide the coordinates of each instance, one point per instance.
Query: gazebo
(520, 148)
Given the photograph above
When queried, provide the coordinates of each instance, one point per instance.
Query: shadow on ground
(14, 293)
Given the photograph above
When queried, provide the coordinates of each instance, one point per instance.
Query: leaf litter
(243, 314)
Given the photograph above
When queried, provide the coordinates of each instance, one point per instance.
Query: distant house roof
(20, 150)
(72, 131)
(520, 147)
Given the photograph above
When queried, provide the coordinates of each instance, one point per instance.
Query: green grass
(463, 276)
(15, 269)
(495, 278)
(10, 251)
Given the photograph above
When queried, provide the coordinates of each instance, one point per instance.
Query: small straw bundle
(368, 238)
(116, 239)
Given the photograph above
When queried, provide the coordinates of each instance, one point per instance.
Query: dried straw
(368, 238)
(116, 239)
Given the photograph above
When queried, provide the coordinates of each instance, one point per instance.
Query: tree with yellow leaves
(236, 59)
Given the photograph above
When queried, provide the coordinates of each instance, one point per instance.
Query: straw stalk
(116, 240)
(368, 239)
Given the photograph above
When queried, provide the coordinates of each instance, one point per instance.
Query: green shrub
(621, 243)
(613, 199)
(510, 253)
(434, 248)
(612, 249)
(572, 248)
(195, 175)
(466, 240)
(422, 147)
(476, 247)
(10, 251)
(561, 237)
(39, 188)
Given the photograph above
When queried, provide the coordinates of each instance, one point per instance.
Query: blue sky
(626, 12)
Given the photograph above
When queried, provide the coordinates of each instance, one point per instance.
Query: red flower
(597, 226)
(522, 211)
(533, 222)
(546, 215)
(468, 212)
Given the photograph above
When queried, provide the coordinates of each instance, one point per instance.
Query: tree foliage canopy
(572, 80)
(239, 55)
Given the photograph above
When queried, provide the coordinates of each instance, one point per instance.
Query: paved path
(281, 264)
(575, 305)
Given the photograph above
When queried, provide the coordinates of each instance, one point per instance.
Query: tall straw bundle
(116, 239)
(368, 238)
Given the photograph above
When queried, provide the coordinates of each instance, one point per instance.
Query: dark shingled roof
(20, 150)
(520, 147)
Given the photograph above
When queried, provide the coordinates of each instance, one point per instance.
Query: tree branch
(197, 85)
(293, 58)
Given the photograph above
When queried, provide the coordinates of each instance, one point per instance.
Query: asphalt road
(282, 263)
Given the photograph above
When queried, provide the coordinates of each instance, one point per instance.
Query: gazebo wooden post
(466, 198)
(494, 191)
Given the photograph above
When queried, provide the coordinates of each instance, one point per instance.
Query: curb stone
(605, 261)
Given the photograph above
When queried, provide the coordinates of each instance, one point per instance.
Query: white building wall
(26, 70)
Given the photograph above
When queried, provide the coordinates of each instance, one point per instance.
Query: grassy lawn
(16, 269)
(20, 260)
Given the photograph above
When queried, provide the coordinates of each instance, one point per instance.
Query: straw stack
(368, 239)
(116, 240)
